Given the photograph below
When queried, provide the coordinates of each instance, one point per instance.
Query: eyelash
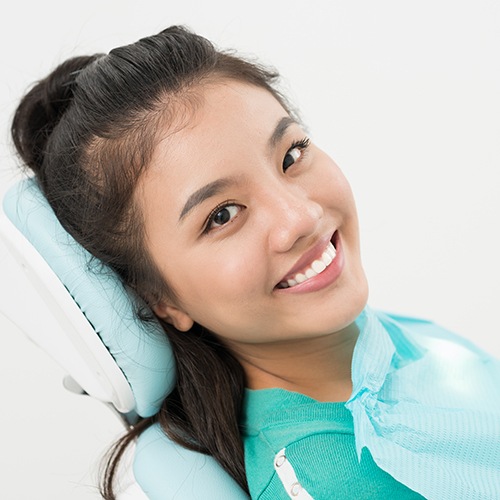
(301, 145)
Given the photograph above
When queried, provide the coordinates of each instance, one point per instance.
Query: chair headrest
(141, 350)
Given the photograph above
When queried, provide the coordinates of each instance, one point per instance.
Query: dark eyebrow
(199, 196)
(280, 130)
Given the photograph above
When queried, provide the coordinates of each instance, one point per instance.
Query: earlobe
(173, 315)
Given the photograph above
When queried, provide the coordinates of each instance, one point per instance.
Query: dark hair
(88, 131)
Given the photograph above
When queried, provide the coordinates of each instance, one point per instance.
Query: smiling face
(253, 226)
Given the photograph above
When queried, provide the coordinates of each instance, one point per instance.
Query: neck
(319, 367)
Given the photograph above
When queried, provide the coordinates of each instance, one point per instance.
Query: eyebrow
(280, 129)
(207, 191)
(215, 187)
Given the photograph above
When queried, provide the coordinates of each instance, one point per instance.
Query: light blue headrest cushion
(140, 350)
(165, 470)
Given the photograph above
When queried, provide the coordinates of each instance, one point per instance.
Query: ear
(173, 315)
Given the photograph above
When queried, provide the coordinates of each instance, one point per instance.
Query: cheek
(223, 291)
(224, 273)
(333, 187)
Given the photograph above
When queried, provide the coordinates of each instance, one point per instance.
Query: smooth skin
(234, 198)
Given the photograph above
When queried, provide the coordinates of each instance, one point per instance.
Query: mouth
(314, 268)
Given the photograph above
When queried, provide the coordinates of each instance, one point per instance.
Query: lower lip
(324, 279)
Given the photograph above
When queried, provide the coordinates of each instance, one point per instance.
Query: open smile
(317, 274)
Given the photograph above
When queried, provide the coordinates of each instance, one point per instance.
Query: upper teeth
(317, 267)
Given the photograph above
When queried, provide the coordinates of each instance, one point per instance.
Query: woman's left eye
(295, 152)
(222, 215)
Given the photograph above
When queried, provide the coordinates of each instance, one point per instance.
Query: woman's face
(241, 212)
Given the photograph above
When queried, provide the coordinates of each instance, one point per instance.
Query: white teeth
(310, 273)
(300, 278)
(330, 249)
(317, 267)
(328, 259)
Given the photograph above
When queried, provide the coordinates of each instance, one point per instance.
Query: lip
(322, 280)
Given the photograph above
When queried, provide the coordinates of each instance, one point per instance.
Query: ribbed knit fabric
(319, 441)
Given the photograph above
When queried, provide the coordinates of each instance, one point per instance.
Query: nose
(295, 216)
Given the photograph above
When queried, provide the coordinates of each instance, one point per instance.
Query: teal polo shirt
(320, 447)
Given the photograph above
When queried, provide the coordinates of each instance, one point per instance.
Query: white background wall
(404, 95)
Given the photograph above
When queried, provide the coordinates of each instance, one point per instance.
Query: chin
(352, 304)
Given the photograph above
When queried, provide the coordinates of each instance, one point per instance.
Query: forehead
(216, 120)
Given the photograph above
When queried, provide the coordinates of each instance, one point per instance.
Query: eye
(222, 215)
(296, 151)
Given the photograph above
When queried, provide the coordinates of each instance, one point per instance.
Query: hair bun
(41, 109)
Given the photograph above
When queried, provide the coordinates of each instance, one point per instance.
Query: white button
(280, 460)
(295, 490)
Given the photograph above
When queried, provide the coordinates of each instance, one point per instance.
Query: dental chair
(89, 327)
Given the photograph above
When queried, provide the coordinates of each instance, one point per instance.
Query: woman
(186, 171)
